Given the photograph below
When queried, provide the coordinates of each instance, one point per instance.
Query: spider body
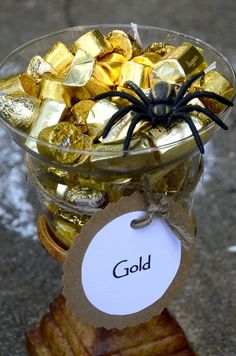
(163, 107)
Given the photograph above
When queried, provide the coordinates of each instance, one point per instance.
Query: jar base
(61, 333)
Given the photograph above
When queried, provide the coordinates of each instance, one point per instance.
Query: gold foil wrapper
(84, 197)
(96, 87)
(61, 176)
(160, 48)
(112, 63)
(123, 102)
(136, 72)
(214, 82)
(102, 75)
(147, 59)
(80, 93)
(38, 67)
(179, 63)
(115, 151)
(99, 116)
(19, 84)
(50, 114)
(19, 110)
(167, 139)
(64, 232)
(94, 43)
(54, 89)
(123, 44)
(79, 113)
(73, 219)
(65, 136)
(119, 131)
(80, 70)
(60, 57)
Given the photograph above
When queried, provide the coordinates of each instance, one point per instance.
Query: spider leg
(204, 94)
(123, 95)
(138, 91)
(187, 118)
(187, 84)
(213, 117)
(115, 117)
(138, 117)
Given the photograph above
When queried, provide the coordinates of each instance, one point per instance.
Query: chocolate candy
(160, 48)
(112, 63)
(93, 43)
(19, 110)
(81, 69)
(19, 84)
(179, 63)
(79, 113)
(136, 72)
(84, 197)
(50, 114)
(38, 67)
(53, 88)
(62, 135)
(217, 83)
(99, 116)
(124, 44)
(60, 57)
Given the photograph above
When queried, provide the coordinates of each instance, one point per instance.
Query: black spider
(163, 107)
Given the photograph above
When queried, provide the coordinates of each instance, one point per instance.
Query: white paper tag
(117, 276)
(125, 270)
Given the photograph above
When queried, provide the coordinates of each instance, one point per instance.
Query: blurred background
(30, 279)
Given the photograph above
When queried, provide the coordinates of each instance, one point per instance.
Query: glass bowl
(170, 168)
(113, 163)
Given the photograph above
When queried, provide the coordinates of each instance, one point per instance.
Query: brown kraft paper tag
(116, 276)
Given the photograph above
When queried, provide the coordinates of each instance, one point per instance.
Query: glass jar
(103, 177)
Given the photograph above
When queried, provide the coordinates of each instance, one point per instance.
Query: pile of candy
(54, 99)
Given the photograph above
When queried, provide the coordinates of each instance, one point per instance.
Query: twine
(159, 205)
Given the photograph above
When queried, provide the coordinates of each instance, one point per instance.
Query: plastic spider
(163, 107)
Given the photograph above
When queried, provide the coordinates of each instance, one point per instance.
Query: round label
(117, 276)
(125, 270)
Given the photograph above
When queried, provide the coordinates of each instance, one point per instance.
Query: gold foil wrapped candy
(84, 197)
(63, 135)
(60, 57)
(168, 137)
(75, 220)
(19, 110)
(38, 67)
(119, 130)
(178, 63)
(64, 232)
(147, 59)
(99, 116)
(50, 114)
(79, 113)
(19, 84)
(81, 69)
(92, 42)
(215, 82)
(124, 44)
(112, 63)
(159, 48)
(136, 72)
(102, 75)
(53, 88)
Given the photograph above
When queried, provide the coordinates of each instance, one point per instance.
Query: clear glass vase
(172, 168)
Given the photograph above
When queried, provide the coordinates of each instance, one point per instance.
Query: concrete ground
(206, 307)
